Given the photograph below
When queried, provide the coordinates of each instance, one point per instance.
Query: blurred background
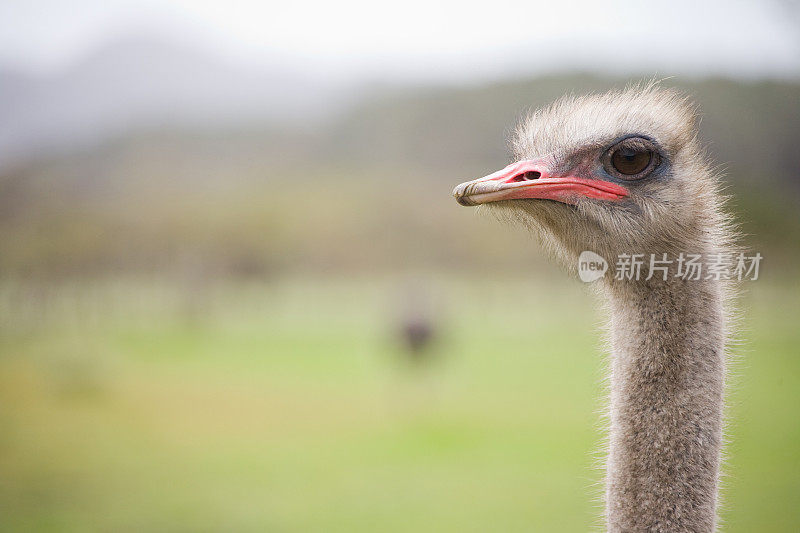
(236, 294)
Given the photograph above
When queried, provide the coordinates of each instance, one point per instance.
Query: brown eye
(633, 158)
(630, 161)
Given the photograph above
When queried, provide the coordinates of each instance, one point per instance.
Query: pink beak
(531, 179)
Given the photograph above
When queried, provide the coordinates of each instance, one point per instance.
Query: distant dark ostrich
(417, 332)
(415, 326)
(624, 173)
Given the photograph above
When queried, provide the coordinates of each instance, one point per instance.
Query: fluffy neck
(667, 373)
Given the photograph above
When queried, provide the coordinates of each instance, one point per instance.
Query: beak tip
(464, 201)
(458, 194)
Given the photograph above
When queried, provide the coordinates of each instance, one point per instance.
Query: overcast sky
(422, 40)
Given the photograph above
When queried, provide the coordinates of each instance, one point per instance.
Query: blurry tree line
(369, 189)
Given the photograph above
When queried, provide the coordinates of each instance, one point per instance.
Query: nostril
(526, 176)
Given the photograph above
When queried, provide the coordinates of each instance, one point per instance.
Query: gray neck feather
(667, 374)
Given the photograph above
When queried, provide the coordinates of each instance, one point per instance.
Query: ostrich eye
(630, 161)
(631, 158)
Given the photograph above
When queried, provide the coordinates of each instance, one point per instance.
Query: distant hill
(146, 83)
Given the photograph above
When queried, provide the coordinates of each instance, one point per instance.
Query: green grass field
(289, 406)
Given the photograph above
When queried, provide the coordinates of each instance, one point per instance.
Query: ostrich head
(621, 172)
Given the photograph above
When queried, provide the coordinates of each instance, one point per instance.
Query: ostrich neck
(667, 370)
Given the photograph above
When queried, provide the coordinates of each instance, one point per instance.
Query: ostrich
(416, 325)
(624, 173)
(417, 332)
